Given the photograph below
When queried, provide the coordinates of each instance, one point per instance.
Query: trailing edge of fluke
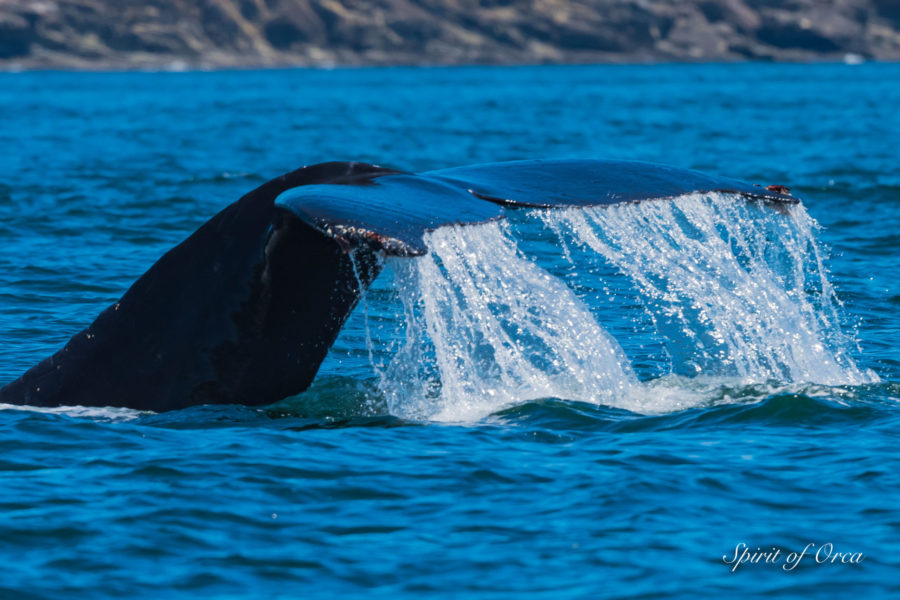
(246, 308)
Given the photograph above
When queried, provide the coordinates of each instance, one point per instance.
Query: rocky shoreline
(182, 34)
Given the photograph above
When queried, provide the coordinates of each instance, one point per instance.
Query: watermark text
(814, 554)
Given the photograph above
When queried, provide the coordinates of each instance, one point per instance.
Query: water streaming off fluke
(487, 328)
(735, 288)
(733, 293)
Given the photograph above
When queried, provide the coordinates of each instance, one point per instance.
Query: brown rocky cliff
(160, 33)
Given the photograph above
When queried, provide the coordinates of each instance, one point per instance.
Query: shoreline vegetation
(170, 35)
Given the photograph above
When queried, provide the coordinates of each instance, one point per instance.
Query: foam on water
(110, 414)
(738, 291)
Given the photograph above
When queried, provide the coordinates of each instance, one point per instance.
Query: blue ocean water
(343, 492)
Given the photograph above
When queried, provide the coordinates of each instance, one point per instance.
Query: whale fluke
(568, 183)
(246, 308)
(394, 211)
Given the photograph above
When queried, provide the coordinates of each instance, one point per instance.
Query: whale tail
(246, 308)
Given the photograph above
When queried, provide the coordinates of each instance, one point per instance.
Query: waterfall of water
(737, 292)
(737, 288)
(486, 327)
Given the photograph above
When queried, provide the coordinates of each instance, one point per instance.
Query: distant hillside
(201, 33)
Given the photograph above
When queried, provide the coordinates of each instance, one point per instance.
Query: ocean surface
(577, 404)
